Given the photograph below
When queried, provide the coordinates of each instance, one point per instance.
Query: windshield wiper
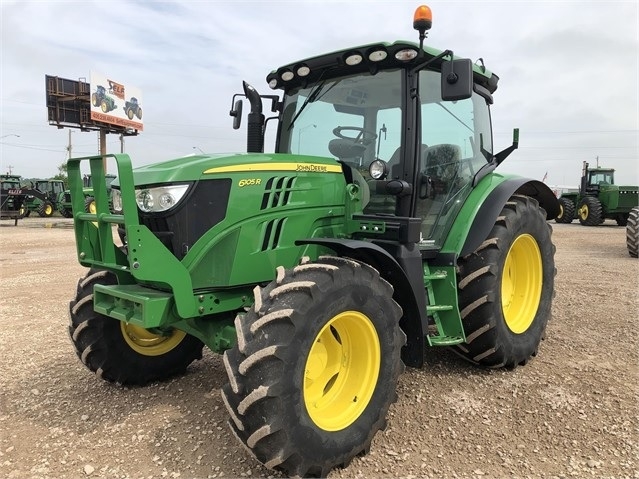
(311, 97)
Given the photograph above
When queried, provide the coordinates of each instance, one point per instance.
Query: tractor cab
(414, 153)
(592, 179)
(600, 176)
(410, 126)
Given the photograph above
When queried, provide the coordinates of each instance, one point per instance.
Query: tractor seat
(346, 149)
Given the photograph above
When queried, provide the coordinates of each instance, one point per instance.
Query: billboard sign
(115, 103)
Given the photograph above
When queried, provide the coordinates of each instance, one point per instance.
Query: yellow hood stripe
(298, 167)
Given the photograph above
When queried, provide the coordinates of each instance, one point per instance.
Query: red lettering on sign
(116, 88)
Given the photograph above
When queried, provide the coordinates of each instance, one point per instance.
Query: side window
(456, 141)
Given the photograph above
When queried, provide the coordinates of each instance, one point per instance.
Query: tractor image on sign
(380, 226)
(132, 108)
(101, 99)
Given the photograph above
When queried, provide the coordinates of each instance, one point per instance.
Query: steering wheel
(364, 137)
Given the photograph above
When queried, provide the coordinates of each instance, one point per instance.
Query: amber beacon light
(423, 19)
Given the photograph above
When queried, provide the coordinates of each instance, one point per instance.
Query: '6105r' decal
(249, 182)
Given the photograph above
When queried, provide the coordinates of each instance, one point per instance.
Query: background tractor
(598, 199)
(64, 201)
(101, 99)
(46, 204)
(14, 197)
(132, 108)
(320, 270)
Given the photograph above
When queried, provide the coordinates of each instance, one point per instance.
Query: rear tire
(315, 367)
(632, 232)
(590, 212)
(566, 211)
(123, 353)
(89, 205)
(506, 288)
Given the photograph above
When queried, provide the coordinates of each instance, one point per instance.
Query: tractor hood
(194, 168)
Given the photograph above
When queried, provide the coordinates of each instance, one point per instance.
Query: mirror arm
(503, 154)
(419, 66)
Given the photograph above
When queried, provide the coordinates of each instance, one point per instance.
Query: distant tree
(62, 173)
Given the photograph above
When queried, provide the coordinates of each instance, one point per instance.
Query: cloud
(568, 70)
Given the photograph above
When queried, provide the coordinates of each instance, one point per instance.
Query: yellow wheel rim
(521, 283)
(147, 343)
(583, 212)
(49, 210)
(92, 208)
(561, 211)
(341, 371)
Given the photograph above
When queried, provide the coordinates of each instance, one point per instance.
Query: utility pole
(10, 168)
(597, 161)
(69, 145)
(121, 142)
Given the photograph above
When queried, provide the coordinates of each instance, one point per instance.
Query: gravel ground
(571, 412)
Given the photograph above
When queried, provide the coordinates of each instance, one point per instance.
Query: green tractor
(379, 227)
(598, 199)
(46, 203)
(64, 200)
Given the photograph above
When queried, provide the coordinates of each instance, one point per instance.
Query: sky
(569, 72)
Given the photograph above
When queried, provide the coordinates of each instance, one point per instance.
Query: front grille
(204, 207)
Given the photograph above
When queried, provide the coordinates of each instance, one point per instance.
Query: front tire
(45, 210)
(506, 288)
(590, 211)
(120, 352)
(315, 367)
(632, 232)
(67, 213)
(566, 211)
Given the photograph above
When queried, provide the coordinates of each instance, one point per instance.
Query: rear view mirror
(457, 79)
(236, 113)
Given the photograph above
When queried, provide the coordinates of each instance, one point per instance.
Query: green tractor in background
(46, 204)
(65, 203)
(598, 199)
(379, 226)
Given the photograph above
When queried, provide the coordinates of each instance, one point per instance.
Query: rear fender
(407, 277)
(495, 200)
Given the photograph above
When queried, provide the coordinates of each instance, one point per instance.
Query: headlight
(116, 201)
(161, 198)
(378, 169)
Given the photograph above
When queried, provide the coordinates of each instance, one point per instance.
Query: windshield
(343, 109)
(599, 177)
